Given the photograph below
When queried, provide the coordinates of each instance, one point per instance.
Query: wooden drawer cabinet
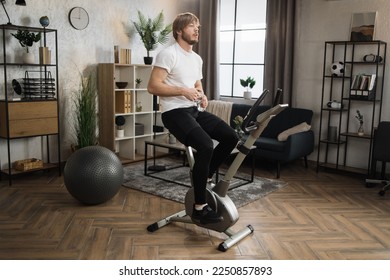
(29, 119)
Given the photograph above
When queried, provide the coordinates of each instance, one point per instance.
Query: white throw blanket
(222, 109)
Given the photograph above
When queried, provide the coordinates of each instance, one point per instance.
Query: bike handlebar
(252, 112)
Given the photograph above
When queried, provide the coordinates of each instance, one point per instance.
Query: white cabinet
(133, 103)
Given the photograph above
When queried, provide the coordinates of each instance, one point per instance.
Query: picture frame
(363, 26)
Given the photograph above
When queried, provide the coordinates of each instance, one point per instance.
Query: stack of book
(122, 56)
(123, 101)
(362, 86)
(125, 56)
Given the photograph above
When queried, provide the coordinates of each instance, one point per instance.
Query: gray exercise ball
(93, 175)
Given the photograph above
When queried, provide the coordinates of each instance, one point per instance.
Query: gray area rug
(242, 195)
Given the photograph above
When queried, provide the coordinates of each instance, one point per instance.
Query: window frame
(235, 64)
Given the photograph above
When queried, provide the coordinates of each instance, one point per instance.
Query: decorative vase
(138, 107)
(361, 130)
(120, 133)
(28, 58)
(247, 94)
(44, 55)
(148, 60)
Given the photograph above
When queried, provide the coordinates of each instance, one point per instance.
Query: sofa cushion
(286, 119)
(295, 129)
(270, 144)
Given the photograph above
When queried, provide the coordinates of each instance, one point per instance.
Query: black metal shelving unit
(333, 153)
(37, 96)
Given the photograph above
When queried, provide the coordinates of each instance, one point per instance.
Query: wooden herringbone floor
(321, 215)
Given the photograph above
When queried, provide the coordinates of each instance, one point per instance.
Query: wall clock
(78, 18)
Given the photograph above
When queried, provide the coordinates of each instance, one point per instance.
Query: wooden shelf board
(326, 141)
(354, 134)
(46, 166)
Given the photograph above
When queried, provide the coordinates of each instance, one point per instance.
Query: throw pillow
(295, 129)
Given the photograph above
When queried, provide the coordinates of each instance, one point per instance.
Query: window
(242, 45)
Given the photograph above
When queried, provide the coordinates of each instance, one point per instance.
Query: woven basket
(28, 164)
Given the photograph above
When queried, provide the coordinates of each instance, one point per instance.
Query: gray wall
(325, 20)
(110, 24)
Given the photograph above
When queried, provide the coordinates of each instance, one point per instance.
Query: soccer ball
(337, 69)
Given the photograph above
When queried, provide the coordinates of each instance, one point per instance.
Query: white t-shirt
(184, 69)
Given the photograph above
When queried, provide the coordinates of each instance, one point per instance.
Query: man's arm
(198, 86)
(157, 86)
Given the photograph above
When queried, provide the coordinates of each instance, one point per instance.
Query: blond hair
(181, 21)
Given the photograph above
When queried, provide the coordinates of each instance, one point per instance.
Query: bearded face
(190, 34)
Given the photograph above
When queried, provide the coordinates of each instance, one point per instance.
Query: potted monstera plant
(152, 33)
(26, 40)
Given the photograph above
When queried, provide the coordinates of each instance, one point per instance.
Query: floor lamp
(156, 129)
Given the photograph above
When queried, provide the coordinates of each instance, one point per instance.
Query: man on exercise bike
(176, 79)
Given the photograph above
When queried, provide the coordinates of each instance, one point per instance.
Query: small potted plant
(138, 82)
(238, 120)
(359, 117)
(138, 106)
(248, 84)
(152, 33)
(120, 122)
(27, 39)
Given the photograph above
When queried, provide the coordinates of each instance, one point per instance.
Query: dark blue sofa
(268, 147)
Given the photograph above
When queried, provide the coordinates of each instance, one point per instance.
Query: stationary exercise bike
(217, 197)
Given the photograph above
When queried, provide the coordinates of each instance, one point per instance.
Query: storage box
(139, 129)
(362, 94)
(28, 164)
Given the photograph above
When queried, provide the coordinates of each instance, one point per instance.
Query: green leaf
(152, 31)
(249, 82)
(26, 38)
(85, 120)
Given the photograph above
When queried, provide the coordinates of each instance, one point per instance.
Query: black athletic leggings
(197, 129)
